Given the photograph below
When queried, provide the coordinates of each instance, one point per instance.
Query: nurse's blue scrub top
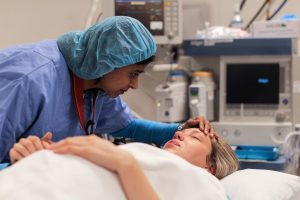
(36, 97)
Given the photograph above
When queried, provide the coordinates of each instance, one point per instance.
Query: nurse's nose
(134, 83)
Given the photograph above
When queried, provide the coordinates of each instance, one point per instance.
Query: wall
(33, 20)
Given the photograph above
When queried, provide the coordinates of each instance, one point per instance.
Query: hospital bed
(45, 175)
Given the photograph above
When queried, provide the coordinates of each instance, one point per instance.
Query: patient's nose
(179, 135)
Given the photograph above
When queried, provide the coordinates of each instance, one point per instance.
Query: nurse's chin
(114, 95)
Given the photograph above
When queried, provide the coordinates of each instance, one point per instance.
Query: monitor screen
(149, 12)
(252, 83)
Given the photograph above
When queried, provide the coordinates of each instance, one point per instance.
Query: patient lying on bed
(132, 171)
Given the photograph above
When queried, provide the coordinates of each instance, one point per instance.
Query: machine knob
(237, 133)
(280, 116)
(170, 35)
(224, 133)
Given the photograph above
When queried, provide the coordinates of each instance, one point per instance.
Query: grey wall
(32, 20)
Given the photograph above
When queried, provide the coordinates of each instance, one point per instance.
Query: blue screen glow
(263, 80)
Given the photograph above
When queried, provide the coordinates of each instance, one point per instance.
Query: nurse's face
(192, 145)
(120, 80)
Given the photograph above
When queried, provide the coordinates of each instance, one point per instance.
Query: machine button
(167, 113)
(168, 4)
(280, 116)
(168, 19)
(285, 101)
(228, 113)
(224, 133)
(237, 133)
(236, 113)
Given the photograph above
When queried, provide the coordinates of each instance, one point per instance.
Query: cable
(277, 10)
(257, 13)
(268, 9)
(242, 4)
(92, 13)
(99, 16)
(291, 150)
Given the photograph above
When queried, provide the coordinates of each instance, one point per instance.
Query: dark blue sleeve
(147, 131)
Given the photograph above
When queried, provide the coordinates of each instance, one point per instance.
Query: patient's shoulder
(142, 150)
(150, 157)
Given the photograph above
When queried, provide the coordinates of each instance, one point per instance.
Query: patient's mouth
(173, 142)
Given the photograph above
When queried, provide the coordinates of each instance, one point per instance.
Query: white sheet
(45, 175)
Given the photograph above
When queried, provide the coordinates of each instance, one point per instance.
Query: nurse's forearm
(134, 181)
(148, 131)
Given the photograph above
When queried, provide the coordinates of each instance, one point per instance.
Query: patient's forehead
(192, 131)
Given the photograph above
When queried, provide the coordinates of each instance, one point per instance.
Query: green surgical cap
(111, 44)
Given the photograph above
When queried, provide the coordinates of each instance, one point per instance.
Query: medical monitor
(161, 17)
(255, 88)
(255, 83)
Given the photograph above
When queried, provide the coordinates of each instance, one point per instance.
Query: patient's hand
(95, 149)
(29, 145)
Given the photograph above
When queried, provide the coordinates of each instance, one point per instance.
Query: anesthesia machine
(201, 95)
(171, 98)
(257, 103)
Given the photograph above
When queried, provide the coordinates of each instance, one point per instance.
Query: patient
(205, 150)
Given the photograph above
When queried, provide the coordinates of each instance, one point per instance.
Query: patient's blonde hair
(222, 158)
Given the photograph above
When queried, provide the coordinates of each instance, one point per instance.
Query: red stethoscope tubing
(78, 87)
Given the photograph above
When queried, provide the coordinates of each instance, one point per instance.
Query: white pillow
(254, 184)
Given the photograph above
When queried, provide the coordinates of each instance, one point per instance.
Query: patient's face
(192, 145)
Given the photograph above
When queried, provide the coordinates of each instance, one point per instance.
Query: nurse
(55, 89)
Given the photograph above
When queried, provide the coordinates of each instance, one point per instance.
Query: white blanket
(45, 175)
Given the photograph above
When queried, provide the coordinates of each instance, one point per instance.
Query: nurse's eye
(133, 75)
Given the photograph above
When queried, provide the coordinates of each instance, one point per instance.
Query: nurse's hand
(29, 145)
(97, 150)
(199, 122)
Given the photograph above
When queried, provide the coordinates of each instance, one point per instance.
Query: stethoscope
(88, 128)
(78, 92)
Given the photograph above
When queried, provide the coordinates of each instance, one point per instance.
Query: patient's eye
(196, 137)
